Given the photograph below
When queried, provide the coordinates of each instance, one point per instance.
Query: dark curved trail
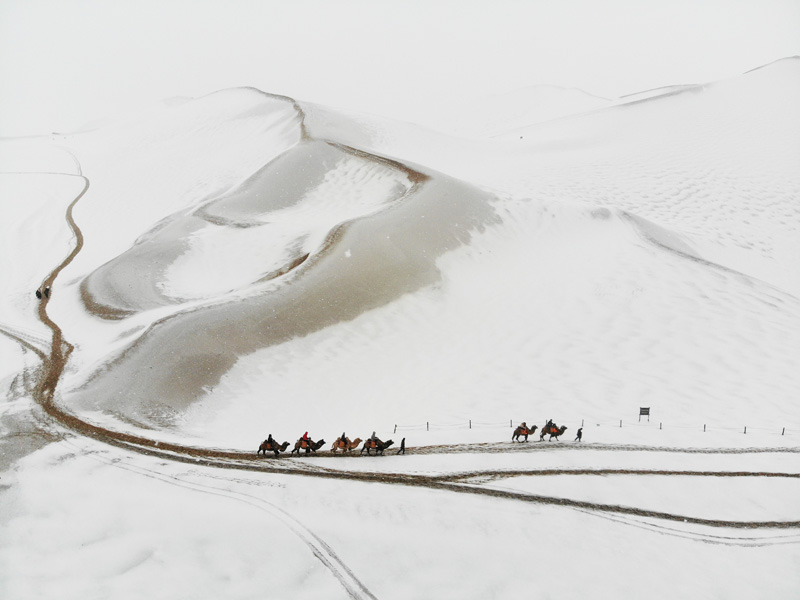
(59, 349)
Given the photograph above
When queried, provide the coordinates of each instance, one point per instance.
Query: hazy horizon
(64, 64)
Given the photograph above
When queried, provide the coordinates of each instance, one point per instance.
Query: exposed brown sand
(392, 253)
(129, 283)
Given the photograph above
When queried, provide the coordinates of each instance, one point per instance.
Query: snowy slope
(495, 114)
(252, 264)
(715, 164)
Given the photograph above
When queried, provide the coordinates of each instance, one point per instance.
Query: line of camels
(346, 445)
(550, 428)
(309, 446)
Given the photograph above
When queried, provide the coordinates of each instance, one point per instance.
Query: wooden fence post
(427, 426)
(704, 427)
(395, 428)
(470, 423)
(745, 428)
(784, 431)
(620, 423)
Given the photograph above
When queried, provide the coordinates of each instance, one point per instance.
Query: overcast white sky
(66, 62)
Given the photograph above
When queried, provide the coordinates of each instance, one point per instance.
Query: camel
(309, 446)
(553, 431)
(345, 446)
(522, 432)
(376, 445)
(272, 447)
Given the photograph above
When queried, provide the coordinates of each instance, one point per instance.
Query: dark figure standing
(580, 435)
(402, 447)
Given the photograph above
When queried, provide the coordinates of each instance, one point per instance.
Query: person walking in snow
(402, 447)
(580, 435)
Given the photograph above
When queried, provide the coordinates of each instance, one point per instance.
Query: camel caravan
(550, 428)
(343, 443)
(373, 443)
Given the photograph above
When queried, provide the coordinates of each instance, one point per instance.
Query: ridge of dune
(784, 62)
(716, 163)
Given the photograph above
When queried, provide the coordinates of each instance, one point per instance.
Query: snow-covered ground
(253, 264)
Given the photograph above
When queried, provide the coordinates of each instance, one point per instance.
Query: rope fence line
(618, 423)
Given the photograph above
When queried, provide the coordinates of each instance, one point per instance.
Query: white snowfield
(252, 264)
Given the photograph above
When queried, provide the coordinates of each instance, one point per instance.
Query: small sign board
(644, 412)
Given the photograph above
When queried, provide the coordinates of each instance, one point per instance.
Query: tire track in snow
(456, 477)
(249, 462)
(25, 339)
(319, 548)
(503, 447)
(443, 483)
(722, 540)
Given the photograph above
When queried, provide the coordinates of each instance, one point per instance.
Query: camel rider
(524, 426)
(270, 442)
(344, 440)
(374, 438)
(306, 440)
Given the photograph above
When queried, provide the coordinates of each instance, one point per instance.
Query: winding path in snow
(59, 348)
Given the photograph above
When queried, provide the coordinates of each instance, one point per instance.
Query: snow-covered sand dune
(715, 163)
(254, 264)
(635, 255)
(213, 205)
(250, 252)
